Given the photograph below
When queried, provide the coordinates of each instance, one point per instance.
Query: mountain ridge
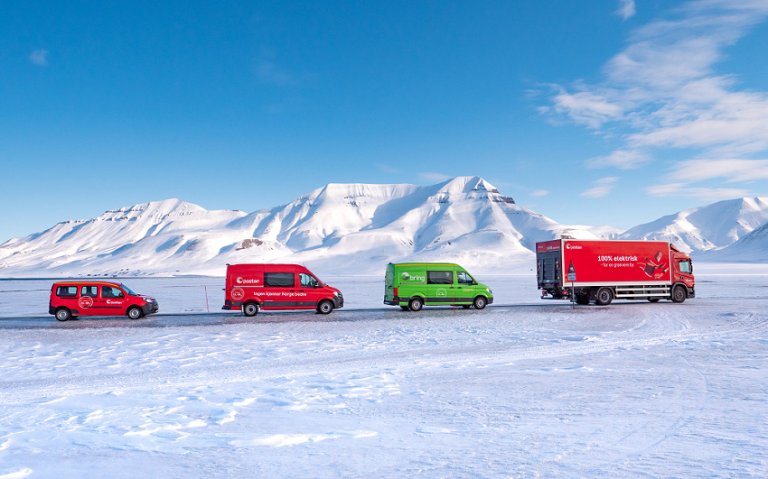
(350, 229)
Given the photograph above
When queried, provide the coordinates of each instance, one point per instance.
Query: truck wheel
(63, 314)
(582, 298)
(250, 309)
(679, 294)
(415, 304)
(604, 296)
(480, 302)
(134, 313)
(325, 307)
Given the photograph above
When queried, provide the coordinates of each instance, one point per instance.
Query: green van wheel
(415, 304)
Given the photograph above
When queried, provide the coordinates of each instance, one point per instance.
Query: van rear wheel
(325, 307)
(415, 304)
(63, 314)
(480, 302)
(250, 309)
(134, 313)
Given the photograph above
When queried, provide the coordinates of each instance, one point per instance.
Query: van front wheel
(415, 304)
(63, 314)
(325, 307)
(250, 309)
(480, 302)
(134, 313)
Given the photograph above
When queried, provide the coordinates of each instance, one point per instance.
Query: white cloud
(387, 169)
(733, 170)
(700, 193)
(622, 159)
(662, 92)
(434, 176)
(626, 9)
(602, 187)
(539, 193)
(39, 57)
(587, 108)
(269, 71)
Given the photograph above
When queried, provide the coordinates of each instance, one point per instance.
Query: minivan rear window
(279, 280)
(66, 291)
(439, 277)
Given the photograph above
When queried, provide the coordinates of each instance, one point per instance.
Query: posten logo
(406, 276)
(85, 302)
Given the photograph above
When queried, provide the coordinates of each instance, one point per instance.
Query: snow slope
(709, 227)
(751, 248)
(526, 388)
(353, 228)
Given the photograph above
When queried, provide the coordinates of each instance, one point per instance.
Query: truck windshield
(128, 290)
(686, 266)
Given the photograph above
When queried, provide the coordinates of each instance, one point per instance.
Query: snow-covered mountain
(707, 228)
(751, 248)
(340, 228)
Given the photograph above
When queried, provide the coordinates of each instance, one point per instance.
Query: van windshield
(128, 290)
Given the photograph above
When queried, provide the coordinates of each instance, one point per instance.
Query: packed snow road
(539, 389)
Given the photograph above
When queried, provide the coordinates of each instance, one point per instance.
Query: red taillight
(395, 293)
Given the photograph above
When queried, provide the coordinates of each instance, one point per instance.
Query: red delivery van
(97, 298)
(251, 287)
(601, 270)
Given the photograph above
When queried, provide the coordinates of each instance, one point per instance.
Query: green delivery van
(415, 285)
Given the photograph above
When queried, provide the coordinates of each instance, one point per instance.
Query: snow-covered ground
(525, 388)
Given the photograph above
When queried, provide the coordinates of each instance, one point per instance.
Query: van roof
(85, 282)
(266, 265)
(427, 264)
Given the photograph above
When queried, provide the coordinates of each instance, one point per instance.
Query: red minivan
(97, 298)
(250, 287)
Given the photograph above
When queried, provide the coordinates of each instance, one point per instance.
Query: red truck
(252, 287)
(601, 270)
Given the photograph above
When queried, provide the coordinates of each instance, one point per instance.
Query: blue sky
(608, 112)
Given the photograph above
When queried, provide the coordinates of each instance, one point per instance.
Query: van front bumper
(338, 301)
(150, 308)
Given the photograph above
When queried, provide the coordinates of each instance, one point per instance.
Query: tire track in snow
(409, 360)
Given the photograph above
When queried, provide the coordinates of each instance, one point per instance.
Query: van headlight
(489, 290)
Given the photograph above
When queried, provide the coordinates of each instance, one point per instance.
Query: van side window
(308, 281)
(462, 277)
(279, 280)
(66, 291)
(110, 292)
(439, 277)
(91, 291)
